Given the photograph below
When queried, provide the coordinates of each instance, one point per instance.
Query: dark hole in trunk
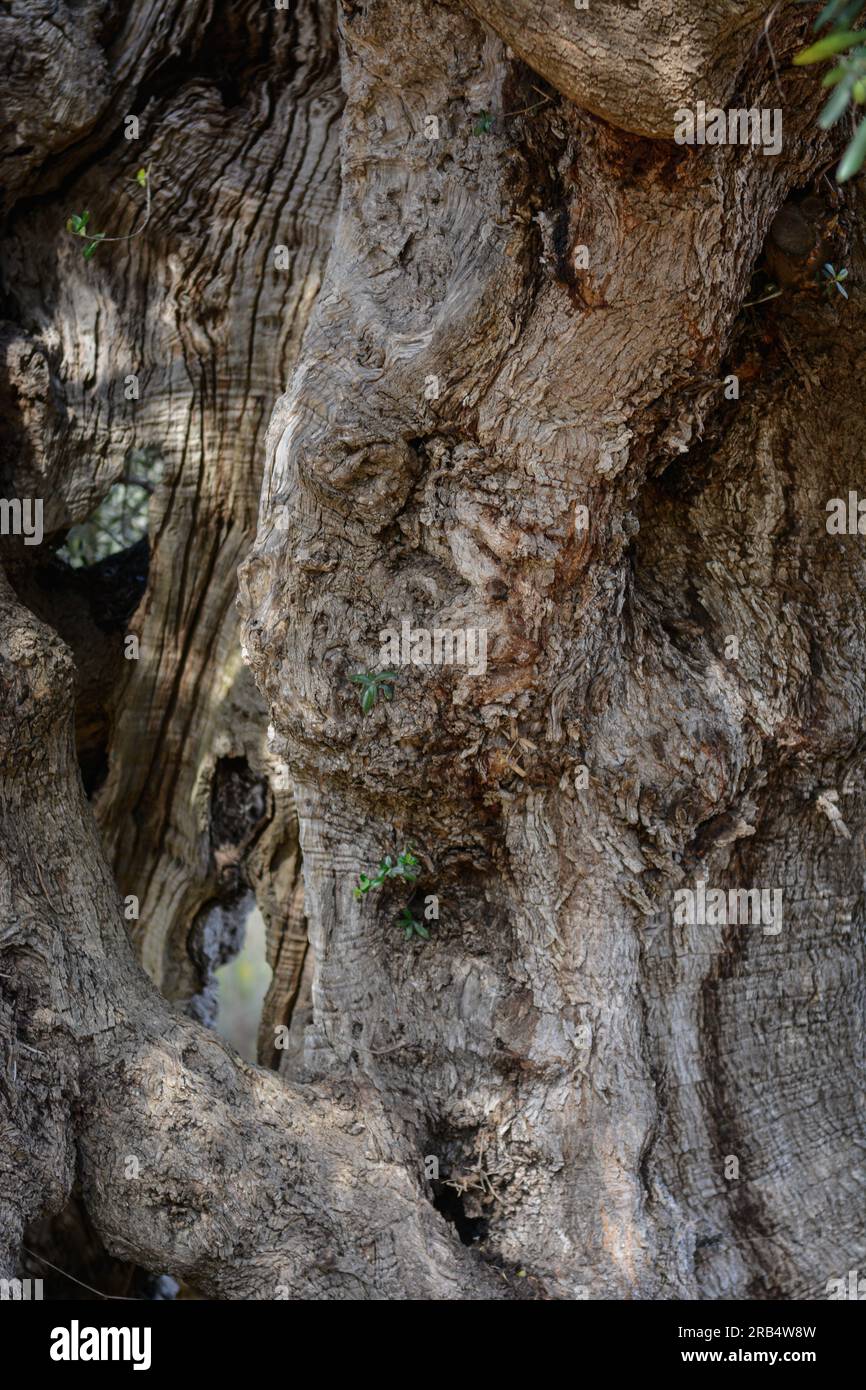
(451, 1204)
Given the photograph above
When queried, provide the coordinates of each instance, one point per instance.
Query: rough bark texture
(242, 157)
(581, 1067)
(633, 64)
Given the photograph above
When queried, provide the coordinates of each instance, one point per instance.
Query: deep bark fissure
(578, 1063)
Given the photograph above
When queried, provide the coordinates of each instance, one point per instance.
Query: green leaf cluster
(372, 685)
(847, 79)
(411, 926)
(77, 225)
(833, 278)
(406, 867)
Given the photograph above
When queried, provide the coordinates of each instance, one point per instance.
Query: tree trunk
(536, 392)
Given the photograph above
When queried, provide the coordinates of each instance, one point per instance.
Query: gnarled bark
(581, 1067)
(598, 1062)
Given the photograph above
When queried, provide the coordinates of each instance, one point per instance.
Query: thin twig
(115, 540)
(118, 1297)
(767, 22)
(138, 231)
(525, 109)
(775, 295)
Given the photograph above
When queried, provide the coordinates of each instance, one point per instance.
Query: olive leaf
(830, 45)
(372, 685)
(847, 78)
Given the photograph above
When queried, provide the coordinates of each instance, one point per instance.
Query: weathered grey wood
(600, 1063)
(581, 1067)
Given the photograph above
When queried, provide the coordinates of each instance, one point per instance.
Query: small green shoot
(77, 223)
(406, 867)
(372, 685)
(411, 926)
(833, 278)
(485, 121)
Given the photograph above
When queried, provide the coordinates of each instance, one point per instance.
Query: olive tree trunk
(535, 391)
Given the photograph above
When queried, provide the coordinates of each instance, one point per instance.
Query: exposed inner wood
(581, 1066)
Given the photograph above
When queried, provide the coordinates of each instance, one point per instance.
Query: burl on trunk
(551, 479)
